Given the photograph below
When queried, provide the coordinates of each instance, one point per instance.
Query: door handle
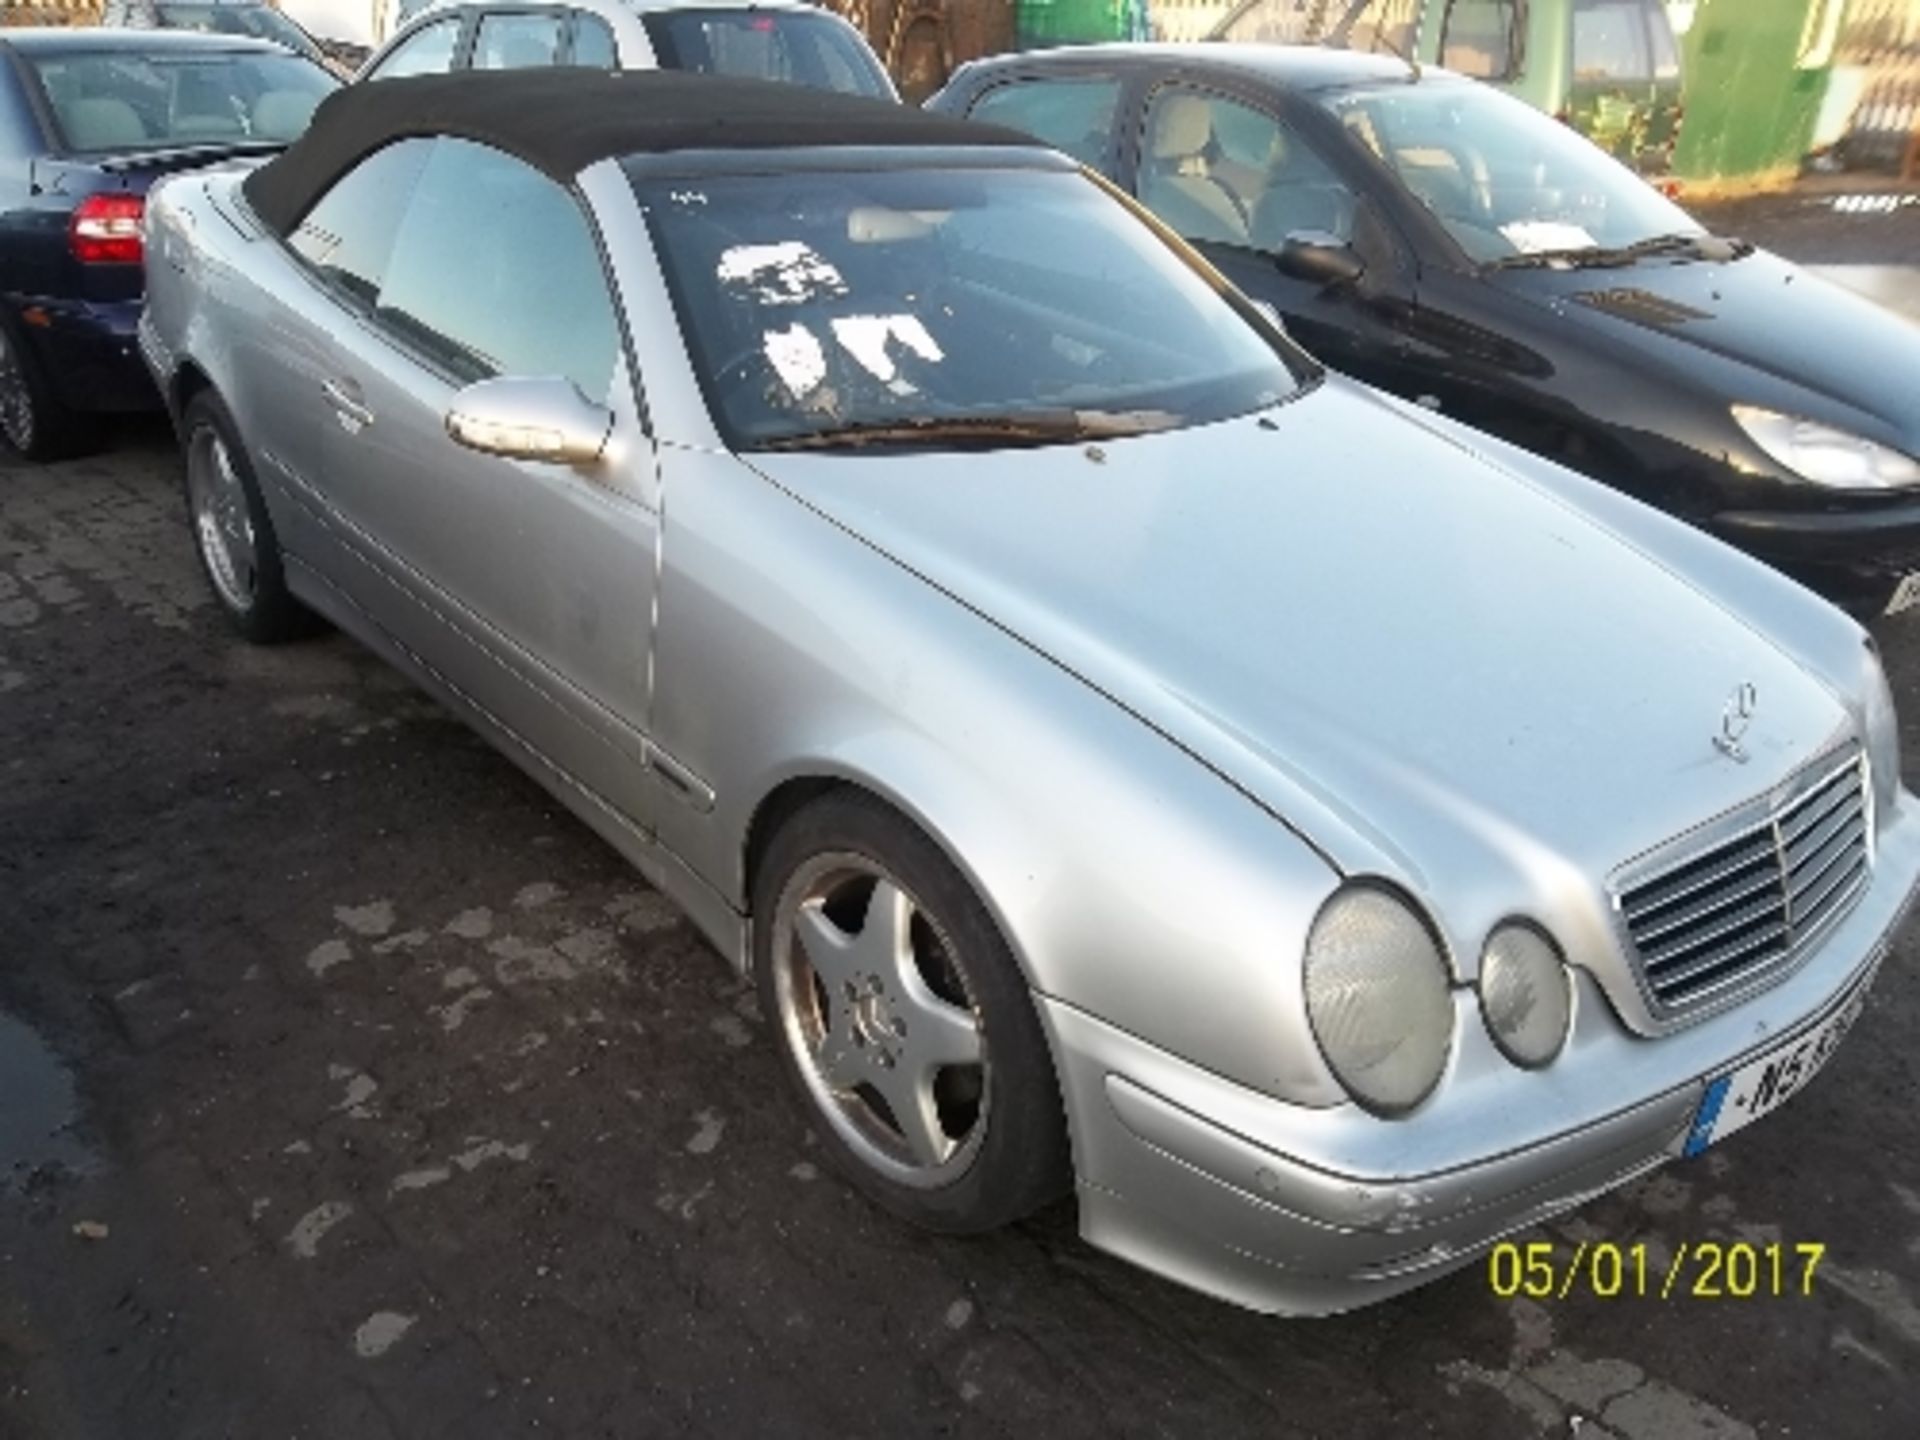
(341, 394)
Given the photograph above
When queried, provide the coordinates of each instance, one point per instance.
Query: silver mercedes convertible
(1127, 757)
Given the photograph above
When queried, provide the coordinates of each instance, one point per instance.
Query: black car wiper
(1600, 257)
(1029, 427)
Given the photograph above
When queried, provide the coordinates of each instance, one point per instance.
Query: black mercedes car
(1445, 242)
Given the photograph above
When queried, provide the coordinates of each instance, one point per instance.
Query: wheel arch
(953, 810)
(187, 381)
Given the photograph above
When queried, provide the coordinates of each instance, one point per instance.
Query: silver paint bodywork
(1155, 704)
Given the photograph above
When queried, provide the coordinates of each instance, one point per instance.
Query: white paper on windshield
(788, 273)
(865, 338)
(1532, 237)
(796, 358)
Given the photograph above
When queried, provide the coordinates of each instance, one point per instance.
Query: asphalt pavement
(349, 1088)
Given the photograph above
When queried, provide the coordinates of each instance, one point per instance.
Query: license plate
(1735, 1100)
(1905, 595)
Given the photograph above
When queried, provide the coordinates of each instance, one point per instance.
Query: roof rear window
(795, 47)
(123, 100)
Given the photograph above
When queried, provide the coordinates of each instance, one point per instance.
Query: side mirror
(538, 417)
(1320, 258)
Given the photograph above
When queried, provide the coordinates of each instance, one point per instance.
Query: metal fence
(1879, 40)
(49, 12)
(1363, 24)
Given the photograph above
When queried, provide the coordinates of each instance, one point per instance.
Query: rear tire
(33, 420)
(904, 1021)
(232, 532)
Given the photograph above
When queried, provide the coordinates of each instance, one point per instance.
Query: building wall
(1752, 91)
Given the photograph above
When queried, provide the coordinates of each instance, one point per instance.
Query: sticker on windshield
(788, 273)
(1535, 237)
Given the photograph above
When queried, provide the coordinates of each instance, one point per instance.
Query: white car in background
(780, 40)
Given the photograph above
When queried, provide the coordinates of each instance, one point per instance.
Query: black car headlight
(1824, 455)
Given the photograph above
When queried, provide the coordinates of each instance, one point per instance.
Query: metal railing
(49, 12)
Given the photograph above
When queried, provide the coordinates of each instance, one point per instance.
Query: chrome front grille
(1751, 898)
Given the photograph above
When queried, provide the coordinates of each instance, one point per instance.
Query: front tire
(239, 552)
(904, 1021)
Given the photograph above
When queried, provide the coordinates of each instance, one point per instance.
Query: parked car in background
(1609, 68)
(1111, 742)
(253, 18)
(89, 119)
(782, 40)
(1443, 241)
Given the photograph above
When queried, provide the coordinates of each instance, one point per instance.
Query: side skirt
(724, 927)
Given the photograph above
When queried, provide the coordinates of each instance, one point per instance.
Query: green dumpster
(1040, 23)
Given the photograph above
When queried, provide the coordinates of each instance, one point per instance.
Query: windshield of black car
(1504, 179)
(255, 21)
(795, 47)
(115, 101)
(818, 302)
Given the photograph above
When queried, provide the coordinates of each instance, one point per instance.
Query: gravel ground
(348, 1088)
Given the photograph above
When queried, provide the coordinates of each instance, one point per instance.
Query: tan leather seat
(1178, 182)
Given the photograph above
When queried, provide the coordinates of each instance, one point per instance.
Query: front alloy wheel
(878, 1014)
(905, 1020)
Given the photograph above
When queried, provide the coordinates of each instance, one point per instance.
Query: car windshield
(256, 21)
(120, 100)
(946, 307)
(795, 47)
(1505, 180)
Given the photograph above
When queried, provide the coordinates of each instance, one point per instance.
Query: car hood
(1760, 312)
(1428, 665)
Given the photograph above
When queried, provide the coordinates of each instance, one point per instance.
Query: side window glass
(1071, 115)
(1217, 170)
(593, 43)
(533, 300)
(428, 51)
(1478, 37)
(517, 42)
(348, 235)
(1610, 41)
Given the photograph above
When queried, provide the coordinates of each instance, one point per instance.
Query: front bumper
(1294, 1210)
(88, 352)
(1853, 555)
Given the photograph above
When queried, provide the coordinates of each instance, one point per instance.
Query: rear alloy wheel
(33, 421)
(905, 1021)
(232, 531)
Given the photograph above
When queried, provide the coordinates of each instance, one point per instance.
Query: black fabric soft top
(563, 120)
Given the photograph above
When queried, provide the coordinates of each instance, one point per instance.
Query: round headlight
(1526, 995)
(1376, 986)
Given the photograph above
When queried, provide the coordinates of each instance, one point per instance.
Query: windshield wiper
(1026, 427)
(1599, 257)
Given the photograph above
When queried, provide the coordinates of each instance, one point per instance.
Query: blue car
(89, 118)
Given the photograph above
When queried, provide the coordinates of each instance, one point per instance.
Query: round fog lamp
(1525, 994)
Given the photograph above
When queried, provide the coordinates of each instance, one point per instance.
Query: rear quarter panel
(228, 306)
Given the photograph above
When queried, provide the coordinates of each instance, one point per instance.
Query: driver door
(528, 587)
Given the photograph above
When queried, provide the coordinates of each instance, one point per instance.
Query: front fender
(1131, 882)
